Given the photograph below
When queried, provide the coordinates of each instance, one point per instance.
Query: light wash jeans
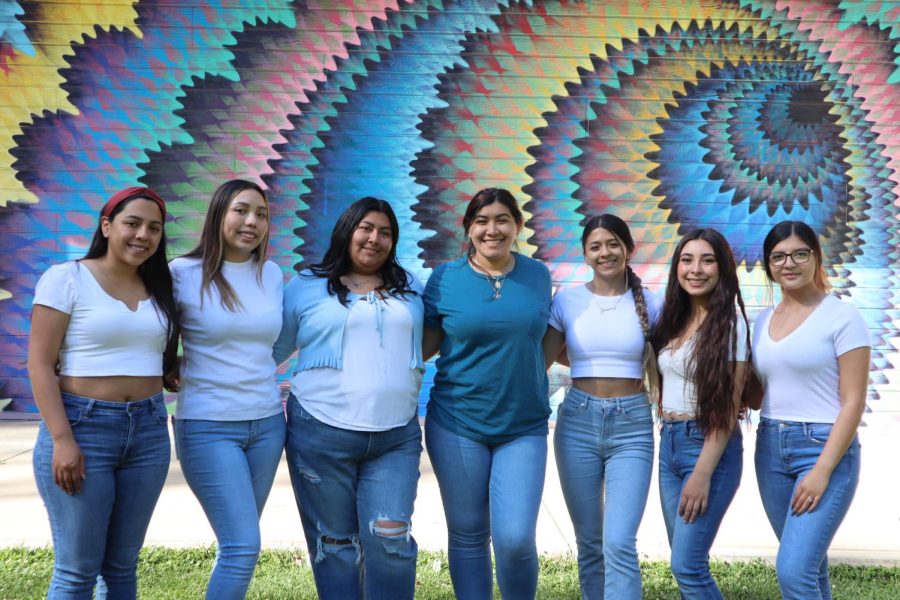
(490, 493)
(679, 448)
(785, 452)
(99, 531)
(604, 456)
(230, 467)
(347, 485)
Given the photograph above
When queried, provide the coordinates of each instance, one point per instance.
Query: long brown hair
(710, 365)
(211, 248)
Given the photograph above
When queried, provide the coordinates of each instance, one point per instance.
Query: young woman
(604, 429)
(811, 352)
(354, 439)
(229, 421)
(486, 428)
(104, 329)
(703, 345)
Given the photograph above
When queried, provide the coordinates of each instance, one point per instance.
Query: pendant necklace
(605, 309)
(496, 281)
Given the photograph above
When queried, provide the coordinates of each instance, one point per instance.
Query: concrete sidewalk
(869, 534)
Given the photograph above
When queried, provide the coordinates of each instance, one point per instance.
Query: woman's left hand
(809, 491)
(694, 497)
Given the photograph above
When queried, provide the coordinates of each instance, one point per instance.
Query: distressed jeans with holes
(353, 488)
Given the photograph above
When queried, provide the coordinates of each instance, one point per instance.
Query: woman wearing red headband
(103, 332)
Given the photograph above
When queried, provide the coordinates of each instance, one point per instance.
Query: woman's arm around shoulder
(433, 334)
(286, 343)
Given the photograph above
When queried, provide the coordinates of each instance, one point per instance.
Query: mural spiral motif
(732, 114)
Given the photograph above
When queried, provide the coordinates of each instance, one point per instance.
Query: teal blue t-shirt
(491, 385)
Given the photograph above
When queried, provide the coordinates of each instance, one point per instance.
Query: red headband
(131, 193)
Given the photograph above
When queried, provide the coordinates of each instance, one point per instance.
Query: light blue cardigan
(313, 322)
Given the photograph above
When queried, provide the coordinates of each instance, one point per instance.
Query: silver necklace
(605, 309)
(496, 281)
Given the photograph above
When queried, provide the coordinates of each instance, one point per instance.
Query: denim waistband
(638, 398)
(146, 404)
(779, 424)
(689, 425)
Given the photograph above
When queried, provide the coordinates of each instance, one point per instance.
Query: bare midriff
(112, 389)
(608, 387)
(669, 415)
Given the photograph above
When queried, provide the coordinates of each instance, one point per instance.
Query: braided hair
(620, 230)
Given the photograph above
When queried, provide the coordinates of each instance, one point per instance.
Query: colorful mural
(672, 114)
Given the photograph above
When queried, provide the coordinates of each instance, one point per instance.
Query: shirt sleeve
(430, 298)
(56, 288)
(556, 320)
(654, 307)
(851, 330)
(740, 332)
(286, 343)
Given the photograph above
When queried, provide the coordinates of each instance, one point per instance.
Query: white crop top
(799, 372)
(104, 337)
(602, 343)
(679, 395)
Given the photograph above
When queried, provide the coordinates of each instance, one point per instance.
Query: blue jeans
(100, 530)
(679, 448)
(785, 452)
(230, 467)
(489, 493)
(604, 456)
(352, 487)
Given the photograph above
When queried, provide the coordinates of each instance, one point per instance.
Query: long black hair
(710, 363)
(337, 262)
(155, 275)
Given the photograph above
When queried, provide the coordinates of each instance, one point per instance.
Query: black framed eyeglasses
(798, 256)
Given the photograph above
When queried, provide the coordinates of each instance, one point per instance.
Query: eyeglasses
(798, 256)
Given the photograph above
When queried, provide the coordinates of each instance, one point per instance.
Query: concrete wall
(671, 114)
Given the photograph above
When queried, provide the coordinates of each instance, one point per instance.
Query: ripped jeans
(355, 491)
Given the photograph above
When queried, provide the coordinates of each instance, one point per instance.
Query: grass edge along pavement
(169, 573)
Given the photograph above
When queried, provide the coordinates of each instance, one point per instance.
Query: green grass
(167, 573)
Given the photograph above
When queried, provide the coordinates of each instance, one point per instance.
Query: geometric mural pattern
(671, 114)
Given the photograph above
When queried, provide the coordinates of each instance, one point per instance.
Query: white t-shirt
(799, 373)
(679, 392)
(602, 343)
(104, 338)
(377, 389)
(227, 372)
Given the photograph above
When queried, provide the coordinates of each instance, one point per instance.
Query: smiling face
(133, 234)
(371, 243)
(606, 255)
(492, 232)
(790, 275)
(698, 270)
(245, 225)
